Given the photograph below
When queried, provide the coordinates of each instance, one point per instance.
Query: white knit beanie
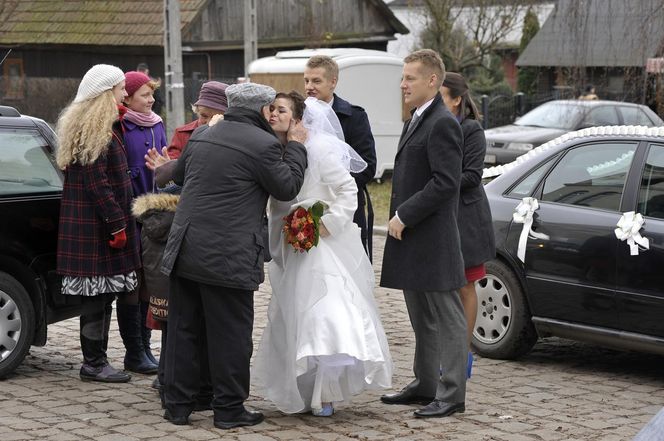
(97, 80)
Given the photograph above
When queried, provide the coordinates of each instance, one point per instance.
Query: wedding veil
(325, 136)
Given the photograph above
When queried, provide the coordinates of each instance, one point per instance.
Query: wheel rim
(10, 325)
(494, 310)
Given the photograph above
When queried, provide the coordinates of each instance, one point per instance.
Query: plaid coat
(96, 202)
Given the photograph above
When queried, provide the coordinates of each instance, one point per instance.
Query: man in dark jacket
(423, 251)
(320, 80)
(214, 253)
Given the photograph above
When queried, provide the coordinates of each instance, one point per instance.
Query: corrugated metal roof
(93, 22)
(598, 33)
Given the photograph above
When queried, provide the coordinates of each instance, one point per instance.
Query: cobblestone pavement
(560, 391)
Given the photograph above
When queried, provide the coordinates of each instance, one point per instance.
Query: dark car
(555, 118)
(578, 280)
(30, 192)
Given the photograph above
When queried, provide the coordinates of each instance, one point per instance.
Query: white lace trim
(589, 132)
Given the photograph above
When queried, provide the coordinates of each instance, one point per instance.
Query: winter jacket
(96, 202)
(155, 212)
(138, 141)
(227, 172)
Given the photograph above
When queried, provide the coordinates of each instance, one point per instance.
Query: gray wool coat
(478, 244)
(425, 192)
(227, 172)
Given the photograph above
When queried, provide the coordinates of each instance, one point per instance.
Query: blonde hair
(84, 130)
(431, 61)
(330, 66)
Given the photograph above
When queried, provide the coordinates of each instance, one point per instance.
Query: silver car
(555, 118)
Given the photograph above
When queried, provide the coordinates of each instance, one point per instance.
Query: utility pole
(173, 67)
(250, 34)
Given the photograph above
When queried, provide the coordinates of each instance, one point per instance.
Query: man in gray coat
(422, 252)
(214, 254)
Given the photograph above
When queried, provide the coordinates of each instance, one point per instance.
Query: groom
(214, 254)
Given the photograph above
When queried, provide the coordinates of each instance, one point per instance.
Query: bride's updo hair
(297, 103)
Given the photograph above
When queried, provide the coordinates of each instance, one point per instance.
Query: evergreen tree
(527, 76)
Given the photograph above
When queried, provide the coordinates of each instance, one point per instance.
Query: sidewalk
(561, 391)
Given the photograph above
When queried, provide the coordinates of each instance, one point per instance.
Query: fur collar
(154, 201)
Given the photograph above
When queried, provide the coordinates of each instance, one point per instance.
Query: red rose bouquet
(301, 227)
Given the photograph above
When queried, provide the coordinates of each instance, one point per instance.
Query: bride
(324, 340)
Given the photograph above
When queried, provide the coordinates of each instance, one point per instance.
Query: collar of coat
(247, 116)
(154, 201)
(437, 100)
(340, 105)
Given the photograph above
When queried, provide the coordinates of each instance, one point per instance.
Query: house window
(14, 78)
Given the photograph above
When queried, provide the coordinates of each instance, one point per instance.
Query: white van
(367, 78)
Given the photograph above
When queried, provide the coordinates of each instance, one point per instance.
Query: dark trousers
(441, 341)
(226, 317)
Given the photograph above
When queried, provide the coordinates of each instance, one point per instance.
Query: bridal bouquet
(301, 227)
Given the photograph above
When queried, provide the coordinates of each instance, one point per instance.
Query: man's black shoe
(438, 408)
(180, 420)
(247, 418)
(405, 397)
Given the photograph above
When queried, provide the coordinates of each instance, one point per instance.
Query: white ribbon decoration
(628, 230)
(523, 214)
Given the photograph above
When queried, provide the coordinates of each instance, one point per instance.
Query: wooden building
(50, 44)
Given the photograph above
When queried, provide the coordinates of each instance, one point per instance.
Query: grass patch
(380, 199)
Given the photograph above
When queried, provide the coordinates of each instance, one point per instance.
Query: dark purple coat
(96, 202)
(138, 140)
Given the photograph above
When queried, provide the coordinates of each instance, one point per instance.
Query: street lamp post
(173, 67)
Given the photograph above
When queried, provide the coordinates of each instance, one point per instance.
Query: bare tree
(467, 32)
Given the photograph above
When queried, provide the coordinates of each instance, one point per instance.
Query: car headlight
(522, 146)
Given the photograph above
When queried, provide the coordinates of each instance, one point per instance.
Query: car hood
(514, 133)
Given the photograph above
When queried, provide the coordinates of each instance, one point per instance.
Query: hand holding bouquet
(302, 227)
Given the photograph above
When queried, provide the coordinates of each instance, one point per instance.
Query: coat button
(128, 172)
(147, 143)
(141, 128)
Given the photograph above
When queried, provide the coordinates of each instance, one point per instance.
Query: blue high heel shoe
(469, 366)
(326, 411)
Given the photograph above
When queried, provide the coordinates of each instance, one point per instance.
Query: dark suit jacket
(357, 133)
(475, 225)
(425, 192)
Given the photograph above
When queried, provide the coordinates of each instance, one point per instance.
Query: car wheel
(17, 323)
(503, 328)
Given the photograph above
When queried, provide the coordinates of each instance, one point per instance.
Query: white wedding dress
(324, 340)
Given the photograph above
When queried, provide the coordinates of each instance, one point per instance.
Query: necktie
(413, 122)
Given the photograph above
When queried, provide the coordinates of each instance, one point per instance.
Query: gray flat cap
(250, 95)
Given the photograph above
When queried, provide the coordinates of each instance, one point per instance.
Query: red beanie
(134, 80)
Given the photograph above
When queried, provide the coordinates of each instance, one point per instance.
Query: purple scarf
(142, 119)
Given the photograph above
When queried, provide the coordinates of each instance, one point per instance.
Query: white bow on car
(523, 214)
(628, 230)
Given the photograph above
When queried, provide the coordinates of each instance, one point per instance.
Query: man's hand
(395, 228)
(296, 132)
(322, 230)
(154, 159)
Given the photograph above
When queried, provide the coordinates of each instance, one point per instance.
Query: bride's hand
(322, 230)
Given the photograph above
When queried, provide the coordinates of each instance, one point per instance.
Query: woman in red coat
(98, 252)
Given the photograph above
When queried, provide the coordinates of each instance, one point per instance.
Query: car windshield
(25, 165)
(552, 115)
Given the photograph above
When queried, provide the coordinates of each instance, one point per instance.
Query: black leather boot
(94, 327)
(146, 333)
(129, 322)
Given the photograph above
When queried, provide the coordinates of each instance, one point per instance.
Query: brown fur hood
(154, 201)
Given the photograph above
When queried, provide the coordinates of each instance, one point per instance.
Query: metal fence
(499, 110)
